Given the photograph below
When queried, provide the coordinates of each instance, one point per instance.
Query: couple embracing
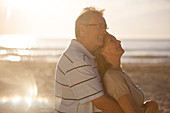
(89, 77)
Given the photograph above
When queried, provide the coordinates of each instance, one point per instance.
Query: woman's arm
(107, 105)
(128, 105)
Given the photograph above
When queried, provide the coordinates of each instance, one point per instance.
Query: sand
(17, 78)
(154, 80)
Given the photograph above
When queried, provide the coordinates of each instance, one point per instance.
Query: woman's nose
(118, 41)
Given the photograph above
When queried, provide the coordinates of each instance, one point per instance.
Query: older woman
(117, 83)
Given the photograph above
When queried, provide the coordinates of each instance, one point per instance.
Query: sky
(126, 19)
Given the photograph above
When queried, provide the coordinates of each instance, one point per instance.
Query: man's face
(95, 30)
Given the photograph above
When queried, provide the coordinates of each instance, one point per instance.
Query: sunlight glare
(12, 58)
(4, 100)
(23, 52)
(17, 41)
(3, 52)
(24, 4)
(33, 91)
(31, 95)
(42, 100)
(19, 100)
(9, 11)
(28, 100)
(16, 99)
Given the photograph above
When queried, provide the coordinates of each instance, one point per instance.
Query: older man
(78, 87)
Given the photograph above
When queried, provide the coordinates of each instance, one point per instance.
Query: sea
(16, 48)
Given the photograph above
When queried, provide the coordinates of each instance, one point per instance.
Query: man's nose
(103, 31)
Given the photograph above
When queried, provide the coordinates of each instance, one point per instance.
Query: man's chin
(96, 49)
(100, 43)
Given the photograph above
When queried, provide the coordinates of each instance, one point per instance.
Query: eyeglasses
(99, 26)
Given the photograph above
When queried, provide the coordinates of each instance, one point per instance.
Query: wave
(50, 49)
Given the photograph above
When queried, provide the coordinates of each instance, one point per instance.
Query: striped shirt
(77, 81)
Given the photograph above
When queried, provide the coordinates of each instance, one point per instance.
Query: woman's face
(112, 46)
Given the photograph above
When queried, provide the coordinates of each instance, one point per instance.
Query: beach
(154, 80)
(28, 86)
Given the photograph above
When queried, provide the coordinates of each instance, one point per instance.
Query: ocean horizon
(22, 48)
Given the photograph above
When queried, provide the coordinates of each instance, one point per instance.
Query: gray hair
(85, 16)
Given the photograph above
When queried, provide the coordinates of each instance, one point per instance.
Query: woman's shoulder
(114, 74)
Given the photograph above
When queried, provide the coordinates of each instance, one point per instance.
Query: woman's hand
(152, 105)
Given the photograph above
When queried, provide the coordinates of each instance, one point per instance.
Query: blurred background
(34, 33)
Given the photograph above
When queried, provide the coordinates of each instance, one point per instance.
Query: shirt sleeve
(115, 84)
(84, 82)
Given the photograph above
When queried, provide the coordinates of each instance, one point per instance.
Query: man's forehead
(98, 18)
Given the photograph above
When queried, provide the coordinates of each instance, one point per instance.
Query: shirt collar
(78, 45)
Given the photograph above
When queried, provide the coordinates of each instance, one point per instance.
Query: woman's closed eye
(112, 40)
